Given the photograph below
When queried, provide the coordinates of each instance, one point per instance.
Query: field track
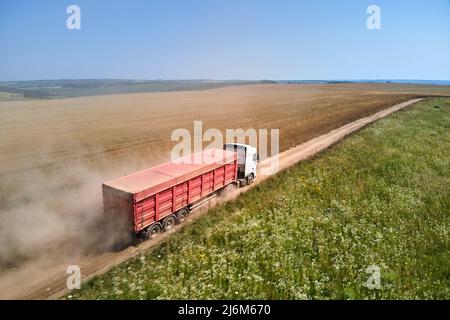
(52, 285)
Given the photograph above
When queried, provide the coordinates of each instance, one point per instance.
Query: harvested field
(379, 199)
(54, 154)
(44, 134)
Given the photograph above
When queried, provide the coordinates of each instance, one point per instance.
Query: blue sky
(225, 39)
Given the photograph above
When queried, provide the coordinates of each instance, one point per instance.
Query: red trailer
(155, 199)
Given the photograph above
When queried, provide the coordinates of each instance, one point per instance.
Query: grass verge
(381, 197)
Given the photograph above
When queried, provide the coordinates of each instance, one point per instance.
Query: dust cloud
(57, 212)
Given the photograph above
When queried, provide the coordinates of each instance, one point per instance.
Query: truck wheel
(250, 179)
(153, 230)
(182, 214)
(169, 222)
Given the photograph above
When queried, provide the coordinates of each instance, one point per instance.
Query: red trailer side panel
(162, 190)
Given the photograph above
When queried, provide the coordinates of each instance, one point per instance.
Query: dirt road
(47, 280)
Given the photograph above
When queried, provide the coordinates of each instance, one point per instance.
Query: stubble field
(54, 154)
(374, 206)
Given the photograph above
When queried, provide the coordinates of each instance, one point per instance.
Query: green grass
(381, 197)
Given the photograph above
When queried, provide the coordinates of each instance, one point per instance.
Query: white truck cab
(247, 161)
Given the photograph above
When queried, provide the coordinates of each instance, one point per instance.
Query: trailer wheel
(182, 214)
(153, 230)
(169, 222)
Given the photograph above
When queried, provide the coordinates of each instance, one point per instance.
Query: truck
(155, 199)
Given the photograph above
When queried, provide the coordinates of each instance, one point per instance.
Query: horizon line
(227, 80)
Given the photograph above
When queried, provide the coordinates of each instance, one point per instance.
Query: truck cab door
(241, 158)
(251, 161)
(247, 157)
